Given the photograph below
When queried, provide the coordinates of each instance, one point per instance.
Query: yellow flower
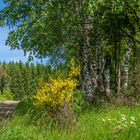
(57, 91)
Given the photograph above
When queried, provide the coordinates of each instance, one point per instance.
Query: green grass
(120, 123)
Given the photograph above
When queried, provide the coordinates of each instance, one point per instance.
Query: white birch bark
(87, 77)
(107, 76)
(126, 66)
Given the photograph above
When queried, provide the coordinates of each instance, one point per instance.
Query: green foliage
(6, 95)
(58, 33)
(2, 22)
(54, 35)
(4, 79)
(79, 100)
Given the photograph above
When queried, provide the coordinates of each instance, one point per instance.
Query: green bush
(6, 95)
(79, 100)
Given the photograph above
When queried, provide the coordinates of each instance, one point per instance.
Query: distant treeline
(21, 79)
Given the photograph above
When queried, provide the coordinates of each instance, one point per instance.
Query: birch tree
(90, 31)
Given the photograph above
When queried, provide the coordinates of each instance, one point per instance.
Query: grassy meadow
(114, 123)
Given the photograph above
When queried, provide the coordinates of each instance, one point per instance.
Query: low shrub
(59, 96)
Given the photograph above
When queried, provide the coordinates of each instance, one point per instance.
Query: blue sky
(5, 53)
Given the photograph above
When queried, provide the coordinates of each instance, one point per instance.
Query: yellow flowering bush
(58, 91)
(74, 70)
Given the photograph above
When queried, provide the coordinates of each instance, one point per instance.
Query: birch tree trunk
(107, 75)
(117, 68)
(93, 72)
(100, 65)
(126, 67)
(134, 82)
(88, 67)
(86, 73)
